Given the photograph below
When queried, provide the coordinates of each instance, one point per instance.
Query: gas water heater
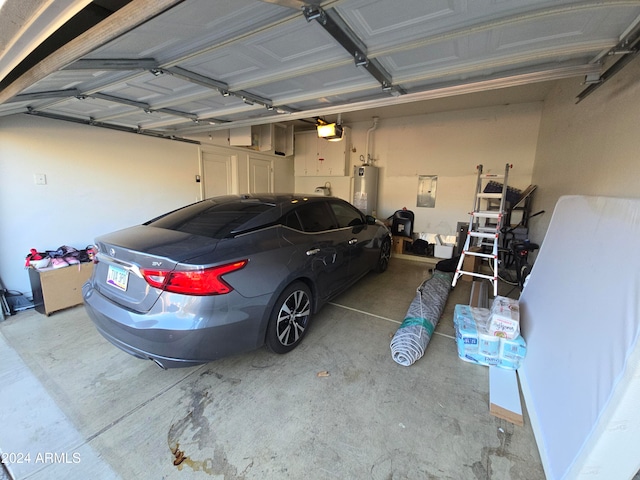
(365, 188)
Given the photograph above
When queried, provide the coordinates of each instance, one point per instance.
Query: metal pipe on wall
(368, 157)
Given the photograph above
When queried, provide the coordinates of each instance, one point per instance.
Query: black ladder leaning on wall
(484, 226)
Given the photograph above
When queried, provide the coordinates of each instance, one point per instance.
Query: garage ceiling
(178, 68)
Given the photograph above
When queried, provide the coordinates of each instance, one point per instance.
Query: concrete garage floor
(84, 409)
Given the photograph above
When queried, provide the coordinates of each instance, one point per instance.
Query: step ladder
(485, 224)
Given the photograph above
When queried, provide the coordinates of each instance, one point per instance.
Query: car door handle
(313, 251)
(353, 241)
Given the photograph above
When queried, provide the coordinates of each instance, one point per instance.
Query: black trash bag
(448, 264)
(419, 247)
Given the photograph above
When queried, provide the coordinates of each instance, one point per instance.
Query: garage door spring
(412, 337)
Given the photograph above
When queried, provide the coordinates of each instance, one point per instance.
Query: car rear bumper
(172, 338)
(162, 362)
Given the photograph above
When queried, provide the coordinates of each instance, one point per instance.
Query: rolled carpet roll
(412, 337)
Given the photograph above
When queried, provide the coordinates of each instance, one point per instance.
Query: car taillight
(206, 281)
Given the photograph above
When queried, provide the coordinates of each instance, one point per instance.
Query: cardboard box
(59, 288)
(471, 263)
(399, 243)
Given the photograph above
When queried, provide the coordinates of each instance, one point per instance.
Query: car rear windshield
(209, 219)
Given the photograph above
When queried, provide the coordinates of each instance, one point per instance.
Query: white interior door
(217, 173)
(260, 178)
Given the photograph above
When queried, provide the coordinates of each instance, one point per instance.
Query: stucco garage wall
(589, 148)
(451, 145)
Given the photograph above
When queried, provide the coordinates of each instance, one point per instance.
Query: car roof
(233, 213)
(283, 203)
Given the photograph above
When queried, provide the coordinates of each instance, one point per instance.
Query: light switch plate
(40, 179)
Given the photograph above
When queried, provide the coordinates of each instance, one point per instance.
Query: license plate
(118, 277)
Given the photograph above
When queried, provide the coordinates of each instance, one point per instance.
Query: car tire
(290, 318)
(385, 255)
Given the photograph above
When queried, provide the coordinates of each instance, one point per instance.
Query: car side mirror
(370, 219)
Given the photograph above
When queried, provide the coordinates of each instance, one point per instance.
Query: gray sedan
(229, 274)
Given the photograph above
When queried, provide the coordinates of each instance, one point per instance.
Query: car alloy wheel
(385, 255)
(290, 318)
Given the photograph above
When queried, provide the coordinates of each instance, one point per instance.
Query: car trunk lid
(125, 254)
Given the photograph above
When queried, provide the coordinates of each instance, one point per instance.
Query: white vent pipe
(368, 156)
